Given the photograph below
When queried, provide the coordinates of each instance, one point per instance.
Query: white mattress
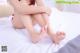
(18, 41)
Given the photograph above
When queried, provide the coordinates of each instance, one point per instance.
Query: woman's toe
(60, 33)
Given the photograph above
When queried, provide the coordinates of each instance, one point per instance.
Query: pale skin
(39, 11)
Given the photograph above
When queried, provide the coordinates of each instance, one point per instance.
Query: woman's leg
(56, 37)
(25, 21)
(16, 21)
(42, 19)
(39, 19)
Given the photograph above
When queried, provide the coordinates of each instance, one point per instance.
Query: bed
(18, 41)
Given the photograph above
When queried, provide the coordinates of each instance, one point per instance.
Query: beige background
(5, 10)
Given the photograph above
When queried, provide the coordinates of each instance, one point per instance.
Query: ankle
(44, 28)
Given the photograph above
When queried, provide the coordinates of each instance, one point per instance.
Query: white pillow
(5, 10)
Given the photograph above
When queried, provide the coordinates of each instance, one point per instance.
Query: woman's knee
(39, 19)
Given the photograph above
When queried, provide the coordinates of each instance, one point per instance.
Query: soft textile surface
(72, 46)
(18, 41)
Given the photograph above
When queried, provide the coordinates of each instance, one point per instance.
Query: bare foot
(35, 37)
(56, 38)
(61, 35)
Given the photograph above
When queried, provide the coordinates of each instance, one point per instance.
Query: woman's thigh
(17, 23)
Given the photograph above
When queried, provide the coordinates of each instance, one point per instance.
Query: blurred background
(69, 5)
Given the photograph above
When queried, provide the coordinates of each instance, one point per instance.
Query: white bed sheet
(18, 41)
